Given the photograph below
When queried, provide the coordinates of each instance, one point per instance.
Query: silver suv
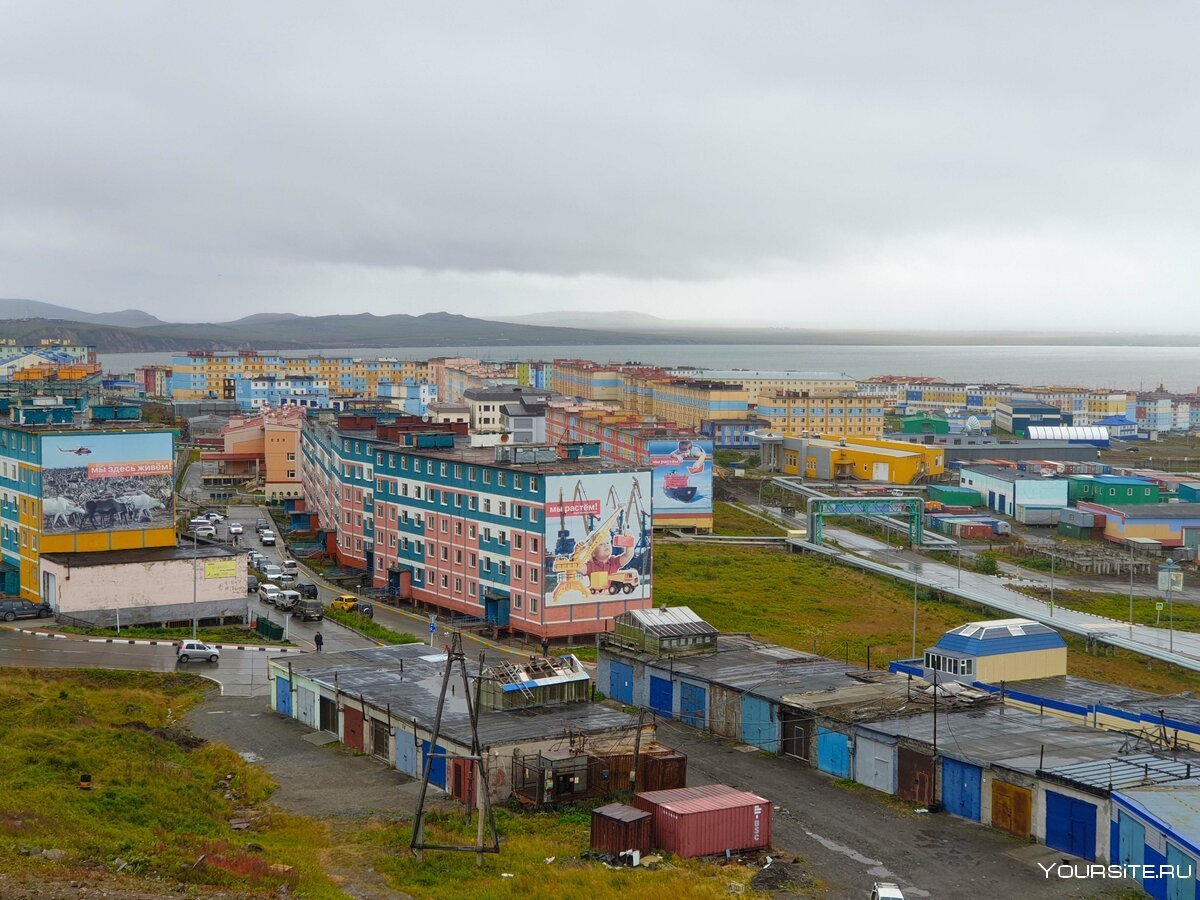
(186, 651)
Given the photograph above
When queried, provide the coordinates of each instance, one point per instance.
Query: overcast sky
(839, 164)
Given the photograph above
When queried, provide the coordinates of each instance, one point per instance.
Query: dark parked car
(309, 609)
(307, 590)
(23, 609)
(251, 584)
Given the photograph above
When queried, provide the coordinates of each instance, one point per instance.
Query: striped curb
(96, 640)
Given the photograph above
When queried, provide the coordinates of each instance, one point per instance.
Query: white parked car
(199, 522)
(287, 600)
(267, 538)
(290, 566)
(235, 527)
(268, 593)
(885, 890)
(205, 531)
(186, 651)
(214, 517)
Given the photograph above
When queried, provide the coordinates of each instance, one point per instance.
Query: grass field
(158, 802)
(161, 804)
(810, 603)
(527, 842)
(369, 627)
(728, 519)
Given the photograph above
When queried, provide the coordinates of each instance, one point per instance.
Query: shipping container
(952, 495)
(617, 828)
(1029, 514)
(708, 819)
(660, 769)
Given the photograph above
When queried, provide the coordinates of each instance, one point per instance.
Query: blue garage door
(960, 788)
(760, 728)
(691, 704)
(620, 682)
(1070, 825)
(406, 753)
(1131, 841)
(283, 695)
(1182, 883)
(437, 768)
(833, 752)
(660, 696)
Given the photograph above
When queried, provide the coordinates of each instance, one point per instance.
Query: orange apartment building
(262, 452)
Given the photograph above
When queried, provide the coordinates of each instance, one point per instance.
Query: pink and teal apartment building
(546, 541)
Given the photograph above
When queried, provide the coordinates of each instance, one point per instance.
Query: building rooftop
(486, 456)
(1154, 510)
(753, 667)
(1004, 473)
(776, 375)
(1112, 480)
(408, 677)
(143, 555)
(671, 621)
(1133, 770)
(1000, 636)
(1176, 805)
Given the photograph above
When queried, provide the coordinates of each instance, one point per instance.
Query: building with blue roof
(997, 651)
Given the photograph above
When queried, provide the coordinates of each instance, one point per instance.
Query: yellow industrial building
(850, 459)
(998, 651)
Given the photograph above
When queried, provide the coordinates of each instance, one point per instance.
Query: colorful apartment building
(540, 540)
(759, 382)
(690, 402)
(452, 376)
(154, 381)
(941, 395)
(822, 413)
(259, 452)
(266, 391)
(81, 490)
(863, 459)
(586, 379)
(48, 354)
(680, 458)
(206, 374)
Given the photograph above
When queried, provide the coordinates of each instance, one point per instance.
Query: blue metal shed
(760, 723)
(620, 682)
(1159, 825)
(692, 704)
(283, 695)
(406, 753)
(437, 766)
(961, 784)
(833, 752)
(1071, 825)
(661, 696)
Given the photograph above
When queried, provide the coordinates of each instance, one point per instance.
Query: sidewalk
(50, 633)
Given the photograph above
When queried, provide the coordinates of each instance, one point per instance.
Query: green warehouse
(1111, 490)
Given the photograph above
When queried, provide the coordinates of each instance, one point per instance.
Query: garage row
(382, 702)
(1019, 768)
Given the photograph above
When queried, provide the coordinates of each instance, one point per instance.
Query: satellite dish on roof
(972, 425)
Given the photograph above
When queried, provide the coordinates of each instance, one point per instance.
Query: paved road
(240, 673)
(851, 837)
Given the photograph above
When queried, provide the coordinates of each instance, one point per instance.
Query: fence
(269, 629)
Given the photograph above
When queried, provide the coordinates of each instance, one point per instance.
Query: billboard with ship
(683, 477)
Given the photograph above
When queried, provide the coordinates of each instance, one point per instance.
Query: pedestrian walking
(545, 646)
(319, 641)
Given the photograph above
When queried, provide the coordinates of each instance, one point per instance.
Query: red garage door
(352, 728)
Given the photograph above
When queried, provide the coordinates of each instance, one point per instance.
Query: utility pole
(1052, 557)
(1131, 589)
(914, 631)
(482, 798)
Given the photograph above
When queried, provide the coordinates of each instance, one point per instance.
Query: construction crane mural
(602, 548)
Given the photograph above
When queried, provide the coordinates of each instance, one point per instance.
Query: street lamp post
(195, 557)
(914, 631)
(960, 564)
(1051, 585)
(1131, 589)
(1168, 574)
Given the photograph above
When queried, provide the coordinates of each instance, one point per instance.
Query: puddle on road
(250, 756)
(876, 868)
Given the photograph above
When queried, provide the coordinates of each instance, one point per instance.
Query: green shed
(951, 495)
(924, 423)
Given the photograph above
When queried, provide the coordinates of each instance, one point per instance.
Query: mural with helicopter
(598, 537)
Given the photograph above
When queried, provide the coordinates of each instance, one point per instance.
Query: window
(471, 531)
(519, 511)
(517, 572)
(442, 470)
(517, 481)
(458, 527)
(445, 525)
(533, 575)
(500, 479)
(487, 505)
(487, 476)
(471, 559)
(445, 581)
(517, 541)
(471, 588)
(470, 473)
(445, 553)
(291, 457)
(458, 585)
(517, 602)
(291, 473)
(533, 545)
(487, 564)
(533, 604)
(472, 502)
(533, 514)
(533, 482)
(503, 508)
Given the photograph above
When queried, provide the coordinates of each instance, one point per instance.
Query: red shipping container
(707, 819)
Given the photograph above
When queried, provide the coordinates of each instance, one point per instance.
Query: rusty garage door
(352, 728)
(915, 781)
(1012, 808)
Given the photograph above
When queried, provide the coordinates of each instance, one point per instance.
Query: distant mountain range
(133, 331)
